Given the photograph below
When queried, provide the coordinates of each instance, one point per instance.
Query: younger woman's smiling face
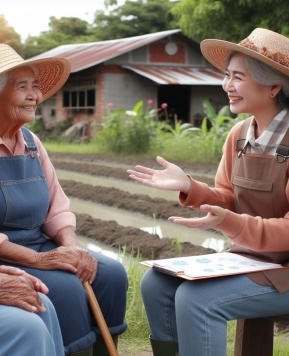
(245, 94)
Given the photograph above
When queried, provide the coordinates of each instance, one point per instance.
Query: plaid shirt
(270, 139)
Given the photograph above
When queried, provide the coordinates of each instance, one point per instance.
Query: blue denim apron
(24, 203)
(24, 196)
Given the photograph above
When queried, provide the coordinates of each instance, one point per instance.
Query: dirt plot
(113, 234)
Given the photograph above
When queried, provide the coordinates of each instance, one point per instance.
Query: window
(79, 99)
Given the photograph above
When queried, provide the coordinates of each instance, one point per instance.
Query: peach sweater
(244, 230)
(58, 215)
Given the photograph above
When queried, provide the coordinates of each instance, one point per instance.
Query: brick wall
(158, 54)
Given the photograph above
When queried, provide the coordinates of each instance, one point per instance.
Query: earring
(271, 95)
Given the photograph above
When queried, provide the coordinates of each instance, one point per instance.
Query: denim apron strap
(28, 137)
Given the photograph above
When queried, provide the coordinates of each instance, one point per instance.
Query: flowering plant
(129, 131)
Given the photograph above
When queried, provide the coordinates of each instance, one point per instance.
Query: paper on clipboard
(218, 264)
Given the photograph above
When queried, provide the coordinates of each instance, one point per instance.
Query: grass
(184, 150)
(138, 328)
(65, 147)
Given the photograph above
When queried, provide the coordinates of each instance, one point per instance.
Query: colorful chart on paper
(211, 265)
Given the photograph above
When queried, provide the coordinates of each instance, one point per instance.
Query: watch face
(171, 48)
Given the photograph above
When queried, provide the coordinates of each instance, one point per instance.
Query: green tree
(134, 18)
(9, 36)
(230, 20)
(61, 31)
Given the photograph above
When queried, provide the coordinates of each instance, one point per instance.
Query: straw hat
(265, 45)
(52, 72)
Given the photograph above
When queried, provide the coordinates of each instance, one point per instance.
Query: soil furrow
(109, 232)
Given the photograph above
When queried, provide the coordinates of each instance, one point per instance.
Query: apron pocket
(26, 201)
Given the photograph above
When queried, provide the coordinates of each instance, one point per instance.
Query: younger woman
(249, 204)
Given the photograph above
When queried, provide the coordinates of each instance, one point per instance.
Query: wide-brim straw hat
(52, 72)
(265, 45)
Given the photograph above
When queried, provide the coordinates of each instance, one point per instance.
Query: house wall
(124, 88)
(128, 88)
(155, 53)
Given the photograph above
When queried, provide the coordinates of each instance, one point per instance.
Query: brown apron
(259, 183)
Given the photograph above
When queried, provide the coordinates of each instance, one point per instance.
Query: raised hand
(214, 217)
(171, 178)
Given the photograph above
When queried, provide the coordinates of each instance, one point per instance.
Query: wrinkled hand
(72, 258)
(86, 266)
(19, 291)
(171, 178)
(11, 270)
(39, 286)
(214, 217)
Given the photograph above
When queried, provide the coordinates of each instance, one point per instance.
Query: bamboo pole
(100, 320)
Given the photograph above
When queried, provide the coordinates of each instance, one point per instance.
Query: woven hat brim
(52, 72)
(217, 51)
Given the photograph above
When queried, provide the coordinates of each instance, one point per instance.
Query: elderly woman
(21, 304)
(37, 230)
(249, 204)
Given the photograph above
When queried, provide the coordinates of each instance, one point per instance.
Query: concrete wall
(125, 90)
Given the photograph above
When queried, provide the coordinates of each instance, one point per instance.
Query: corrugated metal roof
(180, 75)
(86, 55)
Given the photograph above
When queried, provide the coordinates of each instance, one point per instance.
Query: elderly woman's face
(20, 96)
(245, 94)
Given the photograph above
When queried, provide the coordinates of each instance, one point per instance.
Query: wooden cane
(100, 320)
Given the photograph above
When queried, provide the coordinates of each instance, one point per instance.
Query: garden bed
(113, 234)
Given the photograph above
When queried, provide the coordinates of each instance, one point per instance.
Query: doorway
(177, 97)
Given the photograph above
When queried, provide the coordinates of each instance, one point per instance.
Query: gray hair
(3, 80)
(5, 76)
(264, 74)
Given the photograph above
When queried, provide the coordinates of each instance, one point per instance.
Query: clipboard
(214, 265)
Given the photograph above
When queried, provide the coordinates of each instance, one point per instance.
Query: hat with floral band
(52, 72)
(265, 45)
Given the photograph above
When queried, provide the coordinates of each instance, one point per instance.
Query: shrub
(128, 132)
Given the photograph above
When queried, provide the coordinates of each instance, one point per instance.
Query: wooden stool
(255, 337)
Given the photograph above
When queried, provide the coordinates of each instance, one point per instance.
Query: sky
(30, 17)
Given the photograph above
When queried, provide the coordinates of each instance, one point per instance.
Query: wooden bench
(255, 337)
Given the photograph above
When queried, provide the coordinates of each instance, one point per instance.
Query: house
(166, 67)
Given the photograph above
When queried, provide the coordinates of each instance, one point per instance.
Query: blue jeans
(78, 327)
(30, 334)
(195, 313)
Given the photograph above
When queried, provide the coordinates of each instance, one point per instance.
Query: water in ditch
(163, 228)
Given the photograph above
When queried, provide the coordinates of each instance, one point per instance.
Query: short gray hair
(266, 75)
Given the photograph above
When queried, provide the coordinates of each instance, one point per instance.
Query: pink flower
(110, 105)
(150, 102)
(164, 105)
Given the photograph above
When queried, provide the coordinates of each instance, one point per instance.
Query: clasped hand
(72, 258)
(20, 289)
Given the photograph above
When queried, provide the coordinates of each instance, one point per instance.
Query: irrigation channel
(161, 227)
